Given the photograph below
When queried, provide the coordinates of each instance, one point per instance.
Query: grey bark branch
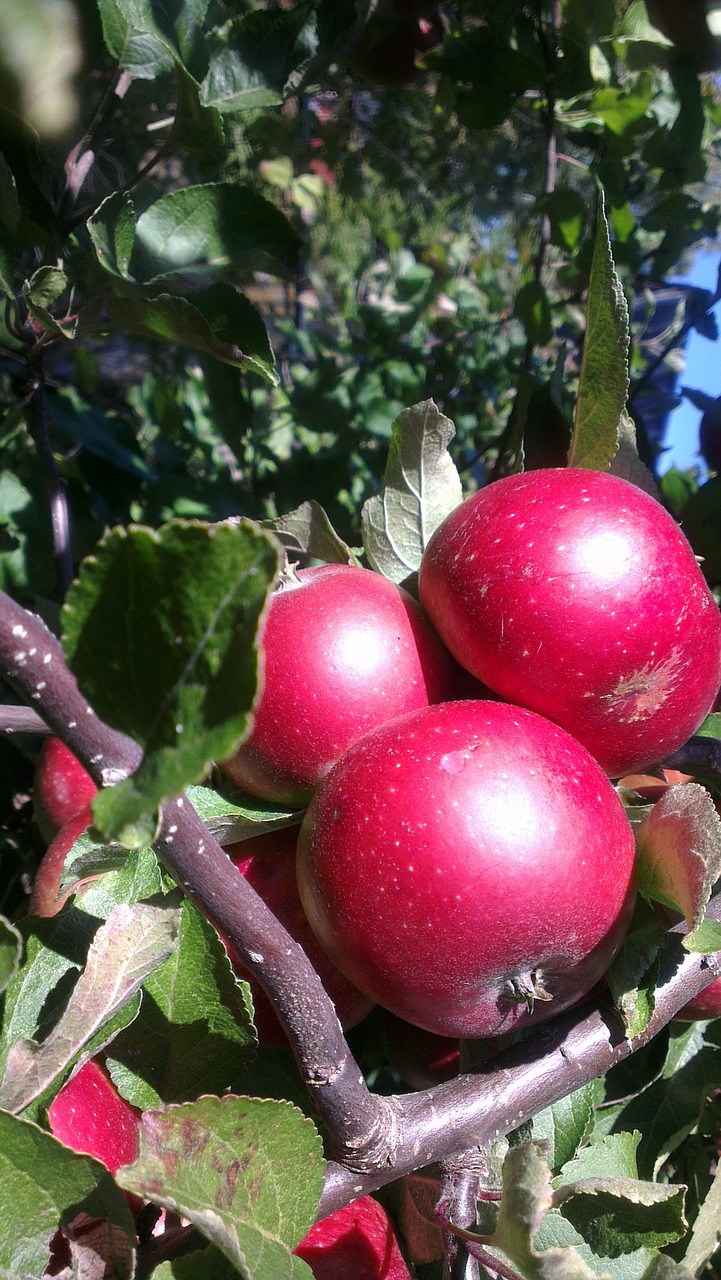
(375, 1139)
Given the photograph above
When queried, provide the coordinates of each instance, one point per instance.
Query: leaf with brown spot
(247, 1172)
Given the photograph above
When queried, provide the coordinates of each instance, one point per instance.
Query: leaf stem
(54, 482)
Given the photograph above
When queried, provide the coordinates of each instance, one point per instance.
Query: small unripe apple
(577, 595)
(344, 650)
(356, 1242)
(62, 787)
(268, 864)
(91, 1117)
(470, 867)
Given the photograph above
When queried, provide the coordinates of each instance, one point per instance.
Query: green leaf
(56, 950)
(219, 321)
(11, 947)
(704, 939)
(213, 227)
(621, 109)
(179, 675)
(532, 308)
(563, 1126)
(237, 816)
(198, 126)
(249, 1178)
(40, 292)
(307, 531)
(132, 942)
(198, 1266)
(633, 973)
(566, 211)
(194, 1033)
(43, 1183)
(604, 372)
(618, 1215)
(420, 487)
(679, 851)
(250, 59)
(705, 1235)
(711, 727)
(669, 1108)
(101, 434)
(112, 232)
(148, 39)
(526, 1199)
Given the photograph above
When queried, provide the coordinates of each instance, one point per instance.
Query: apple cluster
(463, 859)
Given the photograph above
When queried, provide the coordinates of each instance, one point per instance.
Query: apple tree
(288, 290)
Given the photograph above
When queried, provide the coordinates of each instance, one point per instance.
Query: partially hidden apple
(356, 1242)
(420, 1058)
(61, 788)
(268, 864)
(704, 1006)
(45, 899)
(577, 595)
(90, 1116)
(344, 650)
(491, 881)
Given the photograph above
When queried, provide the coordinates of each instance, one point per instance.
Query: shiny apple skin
(344, 651)
(90, 1116)
(62, 787)
(575, 594)
(356, 1242)
(457, 850)
(268, 864)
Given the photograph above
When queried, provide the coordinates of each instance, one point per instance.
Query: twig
(32, 661)
(54, 483)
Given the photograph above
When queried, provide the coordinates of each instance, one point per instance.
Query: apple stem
(526, 988)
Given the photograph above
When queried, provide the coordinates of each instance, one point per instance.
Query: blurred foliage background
(237, 238)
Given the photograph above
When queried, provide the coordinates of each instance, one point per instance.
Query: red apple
(344, 651)
(90, 1116)
(575, 594)
(356, 1242)
(420, 1058)
(490, 881)
(44, 900)
(268, 864)
(61, 789)
(704, 1006)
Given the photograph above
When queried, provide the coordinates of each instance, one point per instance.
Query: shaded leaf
(618, 1215)
(705, 1235)
(679, 851)
(219, 321)
(627, 464)
(11, 947)
(9, 222)
(420, 487)
(198, 126)
(604, 373)
(246, 1172)
(633, 973)
(213, 226)
(251, 57)
(533, 309)
(43, 1183)
(112, 233)
(237, 816)
(180, 674)
(40, 292)
(194, 1033)
(133, 941)
(308, 531)
(563, 1126)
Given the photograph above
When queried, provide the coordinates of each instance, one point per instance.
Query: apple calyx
(525, 988)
